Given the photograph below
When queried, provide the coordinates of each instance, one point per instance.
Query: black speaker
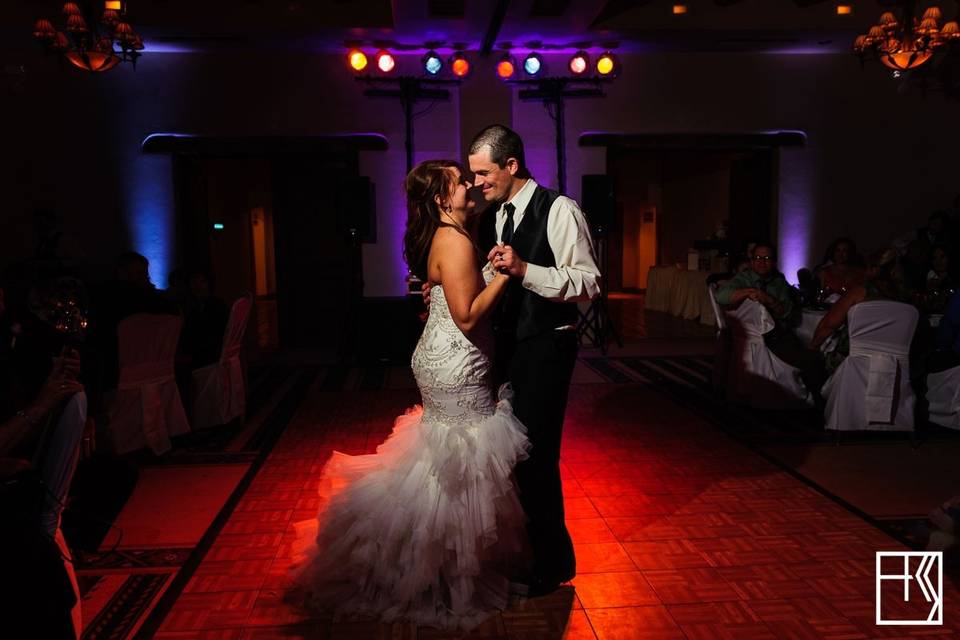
(599, 204)
(355, 203)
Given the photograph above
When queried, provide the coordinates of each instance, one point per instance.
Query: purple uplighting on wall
(796, 211)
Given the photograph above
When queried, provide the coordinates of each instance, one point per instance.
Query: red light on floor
(357, 60)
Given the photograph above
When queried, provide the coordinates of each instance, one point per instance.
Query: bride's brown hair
(425, 181)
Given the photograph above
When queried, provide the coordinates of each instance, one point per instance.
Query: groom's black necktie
(506, 235)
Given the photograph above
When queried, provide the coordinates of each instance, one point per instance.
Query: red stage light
(385, 61)
(579, 63)
(459, 65)
(506, 68)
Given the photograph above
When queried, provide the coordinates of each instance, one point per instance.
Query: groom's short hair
(504, 143)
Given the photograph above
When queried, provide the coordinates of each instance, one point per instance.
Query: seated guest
(841, 269)
(131, 292)
(203, 328)
(939, 278)
(936, 232)
(178, 290)
(947, 343)
(764, 284)
(808, 286)
(41, 436)
(884, 281)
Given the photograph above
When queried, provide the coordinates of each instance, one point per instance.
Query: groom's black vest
(522, 313)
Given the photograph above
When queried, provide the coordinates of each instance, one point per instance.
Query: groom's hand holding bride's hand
(425, 292)
(503, 258)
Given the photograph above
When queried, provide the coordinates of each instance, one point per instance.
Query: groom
(541, 238)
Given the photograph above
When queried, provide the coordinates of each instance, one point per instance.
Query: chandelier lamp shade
(88, 44)
(908, 42)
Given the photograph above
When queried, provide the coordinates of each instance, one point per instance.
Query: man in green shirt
(764, 284)
(761, 283)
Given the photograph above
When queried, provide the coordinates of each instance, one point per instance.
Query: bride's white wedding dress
(425, 528)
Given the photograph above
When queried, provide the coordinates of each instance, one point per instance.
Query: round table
(679, 292)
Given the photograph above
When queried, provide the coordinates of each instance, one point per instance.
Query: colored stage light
(506, 67)
(533, 64)
(607, 65)
(680, 9)
(844, 9)
(385, 61)
(579, 63)
(459, 65)
(432, 63)
(357, 60)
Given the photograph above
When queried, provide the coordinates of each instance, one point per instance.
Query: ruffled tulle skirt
(427, 529)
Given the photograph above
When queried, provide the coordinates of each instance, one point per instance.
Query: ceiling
(485, 25)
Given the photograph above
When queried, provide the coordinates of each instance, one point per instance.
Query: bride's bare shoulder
(449, 239)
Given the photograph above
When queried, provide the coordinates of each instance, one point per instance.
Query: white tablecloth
(679, 292)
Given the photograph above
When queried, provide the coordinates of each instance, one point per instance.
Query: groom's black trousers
(540, 370)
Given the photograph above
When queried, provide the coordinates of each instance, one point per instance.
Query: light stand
(410, 90)
(552, 92)
(595, 324)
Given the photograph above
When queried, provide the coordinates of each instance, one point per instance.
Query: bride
(427, 528)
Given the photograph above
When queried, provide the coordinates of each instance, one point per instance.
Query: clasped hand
(505, 260)
(757, 296)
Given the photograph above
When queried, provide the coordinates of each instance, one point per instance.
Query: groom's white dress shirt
(576, 276)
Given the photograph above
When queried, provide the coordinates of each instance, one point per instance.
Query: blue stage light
(533, 64)
(432, 63)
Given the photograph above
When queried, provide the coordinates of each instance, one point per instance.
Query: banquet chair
(717, 311)
(145, 410)
(721, 355)
(871, 390)
(754, 374)
(943, 397)
(218, 390)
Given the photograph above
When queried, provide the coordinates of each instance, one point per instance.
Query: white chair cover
(717, 311)
(755, 374)
(870, 390)
(721, 357)
(145, 410)
(943, 394)
(219, 392)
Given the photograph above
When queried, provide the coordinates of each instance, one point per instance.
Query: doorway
(678, 200)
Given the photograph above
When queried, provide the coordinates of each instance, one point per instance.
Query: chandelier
(88, 44)
(907, 43)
